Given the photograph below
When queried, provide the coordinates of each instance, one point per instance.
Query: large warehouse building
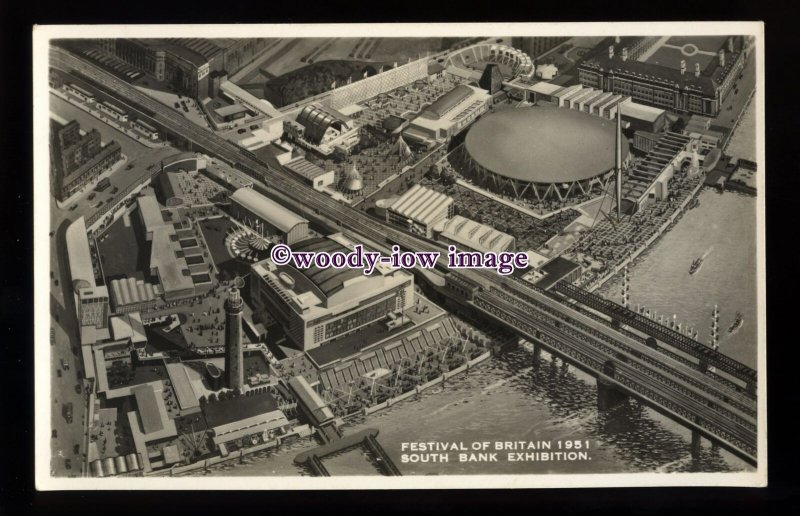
(268, 216)
(542, 152)
(448, 115)
(318, 305)
(420, 209)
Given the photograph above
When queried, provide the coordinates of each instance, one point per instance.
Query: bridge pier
(751, 388)
(537, 355)
(697, 445)
(608, 395)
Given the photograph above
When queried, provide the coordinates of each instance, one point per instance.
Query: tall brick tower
(234, 359)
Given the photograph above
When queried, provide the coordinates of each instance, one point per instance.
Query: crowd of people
(610, 242)
(530, 233)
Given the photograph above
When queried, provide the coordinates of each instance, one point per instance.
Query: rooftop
(182, 386)
(544, 144)
(232, 109)
(711, 75)
(421, 204)
(79, 255)
(475, 235)
(234, 409)
(264, 207)
(304, 168)
(150, 404)
(641, 112)
(555, 270)
(447, 102)
(312, 287)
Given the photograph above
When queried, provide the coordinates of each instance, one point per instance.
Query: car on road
(242, 131)
(253, 127)
(54, 435)
(77, 388)
(68, 412)
(76, 449)
(64, 365)
(92, 196)
(114, 190)
(58, 372)
(68, 463)
(73, 207)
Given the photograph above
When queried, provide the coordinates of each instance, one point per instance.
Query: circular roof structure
(544, 144)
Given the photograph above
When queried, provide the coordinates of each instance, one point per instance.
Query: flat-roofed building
(253, 209)
(153, 417)
(244, 416)
(145, 128)
(643, 118)
(167, 261)
(553, 271)
(187, 400)
(317, 305)
(91, 299)
(449, 114)
(114, 111)
(232, 112)
(317, 408)
(310, 174)
(467, 234)
(544, 92)
(420, 209)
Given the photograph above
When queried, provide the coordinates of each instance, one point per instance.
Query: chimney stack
(611, 51)
(625, 54)
(683, 66)
(722, 57)
(697, 69)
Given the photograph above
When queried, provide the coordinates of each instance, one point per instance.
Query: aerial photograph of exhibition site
(620, 171)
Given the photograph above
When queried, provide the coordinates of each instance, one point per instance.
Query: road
(66, 342)
(140, 157)
(317, 206)
(62, 308)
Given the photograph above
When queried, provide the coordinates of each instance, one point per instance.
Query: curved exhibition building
(542, 152)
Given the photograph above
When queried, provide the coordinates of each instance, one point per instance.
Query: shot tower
(234, 359)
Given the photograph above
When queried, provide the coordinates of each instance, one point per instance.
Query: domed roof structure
(544, 144)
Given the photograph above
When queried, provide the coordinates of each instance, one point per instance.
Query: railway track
(735, 435)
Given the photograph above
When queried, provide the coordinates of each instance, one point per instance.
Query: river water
(508, 399)
(723, 227)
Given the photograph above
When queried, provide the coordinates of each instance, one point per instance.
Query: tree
(678, 125)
